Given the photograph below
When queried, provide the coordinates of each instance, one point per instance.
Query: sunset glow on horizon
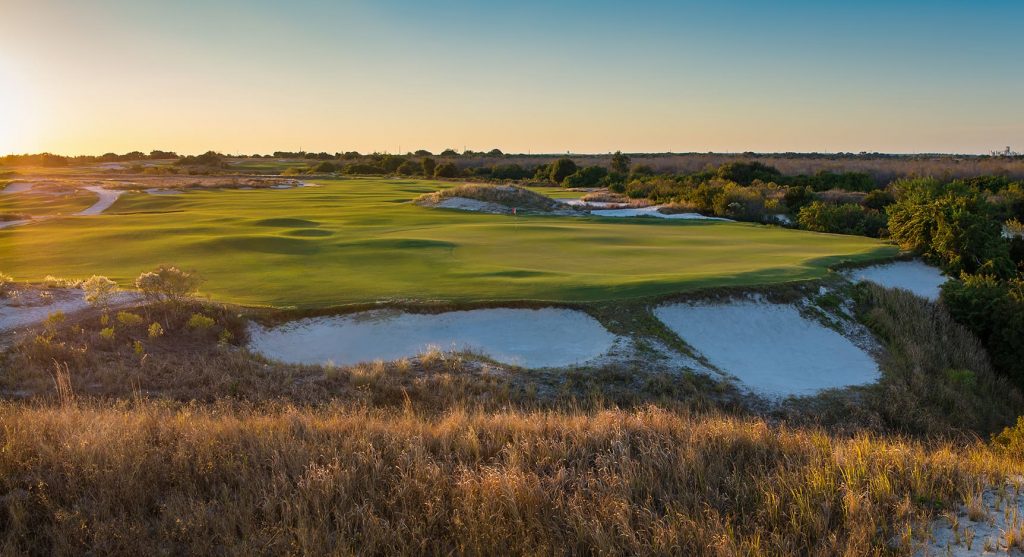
(247, 77)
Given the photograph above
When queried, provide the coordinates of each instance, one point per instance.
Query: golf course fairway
(359, 240)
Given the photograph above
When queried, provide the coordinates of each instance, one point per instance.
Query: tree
(408, 168)
(446, 170)
(428, 164)
(586, 177)
(167, 284)
(99, 291)
(620, 163)
(561, 169)
(495, 152)
(423, 153)
(449, 153)
(796, 197)
(954, 229)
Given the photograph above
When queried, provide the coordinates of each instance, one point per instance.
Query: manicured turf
(41, 204)
(359, 240)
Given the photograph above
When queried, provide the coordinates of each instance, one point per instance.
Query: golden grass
(146, 478)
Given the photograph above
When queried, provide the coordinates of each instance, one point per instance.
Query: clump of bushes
(99, 290)
(847, 218)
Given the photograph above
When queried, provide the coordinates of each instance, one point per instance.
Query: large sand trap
(651, 211)
(915, 276)
(107, 198)
(18, 187)
(525, 337)
(770, 348)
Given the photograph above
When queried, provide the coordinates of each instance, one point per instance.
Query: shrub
(428, 165)
(51, 281)
(446, 170)
(99, 291)
(744, 173)
(796, 197)
(994, 311)
(586, 177)
(129, 319)
(509, 172)
(955, 229)
(5, 281)
(409, 168)
(167, 284)
(155, 330)
(107, 333)
(325, 168)
(848, 218)
(561, 169)
(199, 321)
(362, 168)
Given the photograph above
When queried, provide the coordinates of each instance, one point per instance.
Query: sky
(591, 76)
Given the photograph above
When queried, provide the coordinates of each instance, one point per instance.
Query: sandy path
(107, 198)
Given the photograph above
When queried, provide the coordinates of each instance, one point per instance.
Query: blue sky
(523, 76)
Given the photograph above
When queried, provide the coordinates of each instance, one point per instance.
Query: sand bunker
(18, 187)
(915, 276)
(464, 204)
(770, 348)
(651, 211)
(107, 198)
(530, 338)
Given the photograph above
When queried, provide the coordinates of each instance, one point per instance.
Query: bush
(744, 173)
(362, 168)
(561, 169)
(200, 322)
(410, 168)
(509, 172)
(796, 197)
(428, 166)
(155, 330)
(325, 168)
(587, 177)
(848, 218)
(99, 291)
(5, 281)
(129, 319)
(953, 228)
(994, 311)
(446, 170)
(167, 284)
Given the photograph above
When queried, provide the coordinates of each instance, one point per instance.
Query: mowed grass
(360, 240)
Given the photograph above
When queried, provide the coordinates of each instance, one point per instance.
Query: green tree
(428, 165)
(561, 169)
(620, 163)
(446, 170)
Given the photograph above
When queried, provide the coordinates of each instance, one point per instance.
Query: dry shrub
(146, 478)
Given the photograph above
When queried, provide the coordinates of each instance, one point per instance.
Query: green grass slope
(360, 240)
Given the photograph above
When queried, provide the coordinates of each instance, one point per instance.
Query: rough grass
(146, 478)
(508, 196)
(371, 244)
(936, 376)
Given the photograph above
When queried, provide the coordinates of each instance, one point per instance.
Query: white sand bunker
(915, 276)
(770, 348)
(466, 204)
(651, 211)
(989, 524)
(526, 337)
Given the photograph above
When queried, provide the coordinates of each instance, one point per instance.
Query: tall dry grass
(145, 478)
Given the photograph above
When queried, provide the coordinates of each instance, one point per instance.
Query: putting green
(360, 240)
